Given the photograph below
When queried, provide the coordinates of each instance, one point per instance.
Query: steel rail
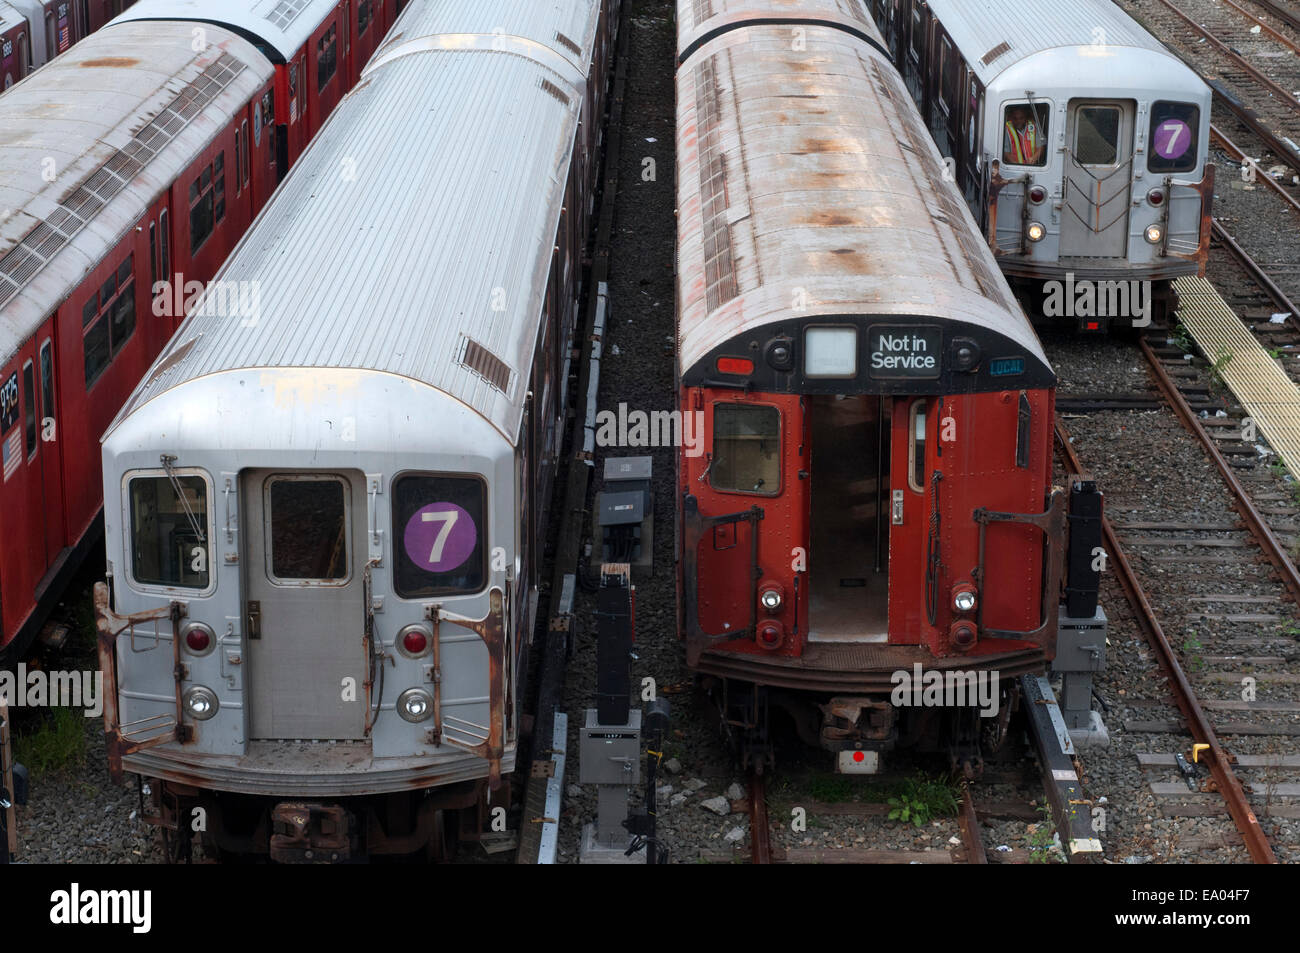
(1282, 94)
(1256, 271)
(1281, 38)
(760, 835)
(1260, 175)
(1286, 16)
(1255, 521)
(1202, 732)
(970, 829)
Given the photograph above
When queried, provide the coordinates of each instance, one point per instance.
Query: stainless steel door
(304, 617)
(1098, 180)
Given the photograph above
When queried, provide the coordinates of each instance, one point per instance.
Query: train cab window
(29, 408)
(308, 529)
(108, 321)
(170, 530)
(1096, 135)
(439, 535)
(1175, 129)
(326, 58)
(746, 449)
(916, 447)
(1024, 134)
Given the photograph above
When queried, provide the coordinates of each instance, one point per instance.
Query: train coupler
(858, 731)
(311, 833)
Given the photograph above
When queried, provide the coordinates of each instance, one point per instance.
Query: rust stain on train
(110, 62)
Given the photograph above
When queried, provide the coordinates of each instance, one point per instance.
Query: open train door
(849, 528)
(1098, 179)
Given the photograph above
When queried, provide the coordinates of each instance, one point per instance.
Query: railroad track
(1221, 628)
(1246, 60)
(964, 832)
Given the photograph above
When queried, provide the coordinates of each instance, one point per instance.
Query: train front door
(304, 618)
(848, 552)
(1098, 179)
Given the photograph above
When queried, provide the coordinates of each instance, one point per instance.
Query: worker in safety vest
(1023, 144)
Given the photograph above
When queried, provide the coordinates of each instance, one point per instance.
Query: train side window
(746, 449)
(153, 254)
(245, 157)
(169, 530)
(326, 58)
(293, 93)
(1096, 135)
(1024, 134)
(239, 161)
(1175, 131)
(308, 529)
(440, 534)
(164, 246)
(108, 321)
(948, 89)
(203, 206)
(917, 421)
(365, 13)
(29, 408)
(47, 387)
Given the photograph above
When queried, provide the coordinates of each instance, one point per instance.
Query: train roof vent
(285, 12)
(555, 91)
(567, 43)
(485, 364)
(77, 208)
(991, 55)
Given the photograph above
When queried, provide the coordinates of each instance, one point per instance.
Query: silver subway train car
(325, 501)
(1080, 142)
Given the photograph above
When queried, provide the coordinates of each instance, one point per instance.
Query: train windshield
(170, 531)
(1096, 135)
(439, 534)
(746, 449)
(1175, 129)
(1025, 130)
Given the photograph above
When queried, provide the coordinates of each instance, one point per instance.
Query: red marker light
(859, 756)
(197, 640)
(735, 365)
(415, 642)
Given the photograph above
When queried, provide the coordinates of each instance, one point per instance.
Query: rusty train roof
(91, 140)
(806, 175)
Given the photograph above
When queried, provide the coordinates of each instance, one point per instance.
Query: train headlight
(414, 641)
(1155, 234)
(201, 703)
(415, 705)
(1036, 231)
(198, 639)
(772, 600)
(964, 599)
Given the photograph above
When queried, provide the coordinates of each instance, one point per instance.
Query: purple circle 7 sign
(439, 537)
(1173, 139)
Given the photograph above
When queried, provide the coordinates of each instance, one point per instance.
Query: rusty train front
(868, 532)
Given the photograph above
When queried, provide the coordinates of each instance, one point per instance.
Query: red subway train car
(138, 158)
(871, 505)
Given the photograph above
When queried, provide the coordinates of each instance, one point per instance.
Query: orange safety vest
(1023, 145)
